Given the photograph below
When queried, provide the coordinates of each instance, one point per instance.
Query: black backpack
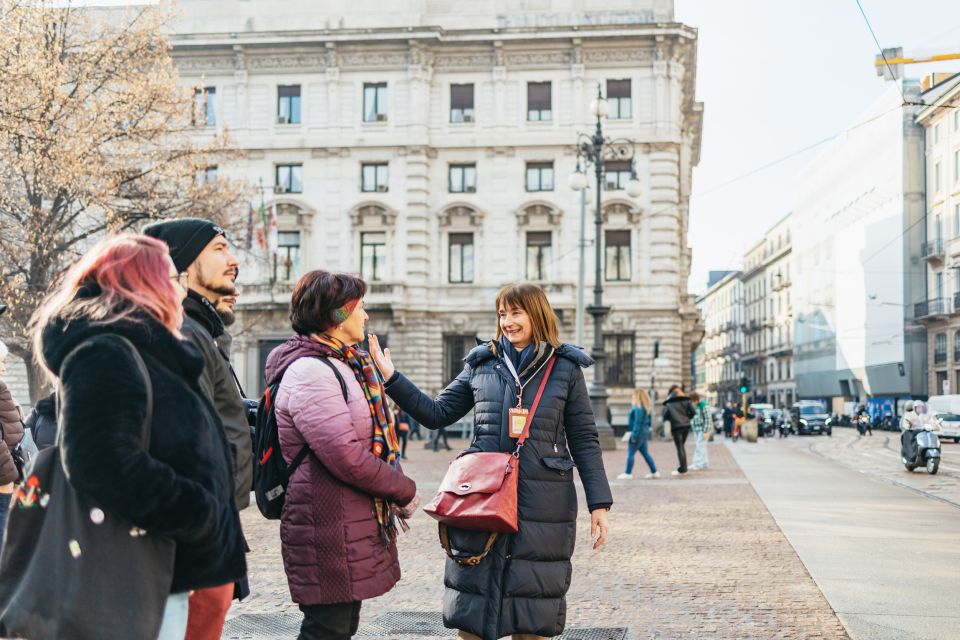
(271, 474)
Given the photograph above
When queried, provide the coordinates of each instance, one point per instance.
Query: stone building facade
(723, 313)
(940, 312)
(427, 147)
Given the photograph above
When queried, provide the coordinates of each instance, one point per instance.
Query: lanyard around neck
(516, 377)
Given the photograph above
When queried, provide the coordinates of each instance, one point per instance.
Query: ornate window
(463, 178)
(288, 104)
(373, 255)
(539, 255)
(618, 100)
(539, 176)
(375, 102)
(460, 258)
(617, 249)
(375, 177)
(461, 103)
(289, 178)
(204, 106)
(619, 362)
(539, 101)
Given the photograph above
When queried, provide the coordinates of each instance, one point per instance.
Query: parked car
(946, 411)
(809, 416)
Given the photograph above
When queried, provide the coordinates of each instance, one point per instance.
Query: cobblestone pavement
(879, 457)
(691, 557)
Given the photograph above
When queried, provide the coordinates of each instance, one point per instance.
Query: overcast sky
(779, 76)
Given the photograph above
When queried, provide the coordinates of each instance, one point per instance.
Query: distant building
(856, 245)
(940, 312)
(723, 313)
(427, 147)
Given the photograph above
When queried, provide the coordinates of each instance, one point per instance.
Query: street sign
(661, 362)
(946, 387)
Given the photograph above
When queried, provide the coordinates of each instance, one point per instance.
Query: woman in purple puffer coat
(345, 500)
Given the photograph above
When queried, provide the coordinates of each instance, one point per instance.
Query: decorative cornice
(538, 58)
(202, 64)
(460, 60)
(637, 54)
(374, 59)
(366, 213)
(539, 208)
(460, 211)
(289, 61)
(625, 208)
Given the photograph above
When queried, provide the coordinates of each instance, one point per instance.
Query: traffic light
(744, 384)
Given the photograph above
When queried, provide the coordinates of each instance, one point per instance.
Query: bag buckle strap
(470, 561)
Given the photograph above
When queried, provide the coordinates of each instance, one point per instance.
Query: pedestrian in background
(126, 291)
(435, 440)
(638, 426)
(728, 418)
(699, 424)
(402, 420)
(42, 422)
(339, 523)
(11, 433)
(516, 583)
(678, 409)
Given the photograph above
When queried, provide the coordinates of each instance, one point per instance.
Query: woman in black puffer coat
(520, 587)
(181, 485)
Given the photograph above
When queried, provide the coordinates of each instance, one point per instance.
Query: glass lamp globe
(598, 108)
(634, 188)
(577, 181)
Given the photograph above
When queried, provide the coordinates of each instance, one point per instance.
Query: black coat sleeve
(584, 443)
(453, 403)
(103, 417)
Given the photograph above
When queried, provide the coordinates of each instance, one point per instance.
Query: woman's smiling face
(516, 325)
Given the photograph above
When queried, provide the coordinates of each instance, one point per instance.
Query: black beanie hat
(186, 237)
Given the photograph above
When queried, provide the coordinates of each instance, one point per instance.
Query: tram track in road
(852, 456)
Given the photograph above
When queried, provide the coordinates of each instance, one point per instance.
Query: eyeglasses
(181, 279)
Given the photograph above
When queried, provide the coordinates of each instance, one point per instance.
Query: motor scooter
(863, 424)
(920, 448)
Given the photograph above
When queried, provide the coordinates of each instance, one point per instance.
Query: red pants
(208, 610)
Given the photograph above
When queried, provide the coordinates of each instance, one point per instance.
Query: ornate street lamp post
(597, 150)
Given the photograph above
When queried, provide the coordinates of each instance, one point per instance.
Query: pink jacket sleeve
(327, 425)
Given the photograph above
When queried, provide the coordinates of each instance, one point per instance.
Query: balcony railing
(933, 250)
(930, 308)
(939, 357)
(956, 354)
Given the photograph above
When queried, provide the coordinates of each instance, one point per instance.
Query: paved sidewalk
(691, 557)
(885, 557)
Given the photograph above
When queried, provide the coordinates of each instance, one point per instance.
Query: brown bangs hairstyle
(533, 300)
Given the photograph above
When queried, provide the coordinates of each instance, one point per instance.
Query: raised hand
(381, 357)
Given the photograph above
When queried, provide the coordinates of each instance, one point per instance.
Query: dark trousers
(404, 436)
(441, 433)
(680, 439)
(329, 621)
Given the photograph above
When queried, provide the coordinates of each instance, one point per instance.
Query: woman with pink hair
(109, 332)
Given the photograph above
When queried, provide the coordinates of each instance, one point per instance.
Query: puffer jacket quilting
(11, 422)
(330, 542)
(520, 587)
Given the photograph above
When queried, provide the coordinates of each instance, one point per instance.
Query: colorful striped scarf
(386, 445)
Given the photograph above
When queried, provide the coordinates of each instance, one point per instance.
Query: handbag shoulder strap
(536, 401)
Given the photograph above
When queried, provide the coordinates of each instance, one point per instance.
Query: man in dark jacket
(678, 409)
(728, 416)
(199, 248)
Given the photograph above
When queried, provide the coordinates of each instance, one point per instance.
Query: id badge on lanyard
(517, 415)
